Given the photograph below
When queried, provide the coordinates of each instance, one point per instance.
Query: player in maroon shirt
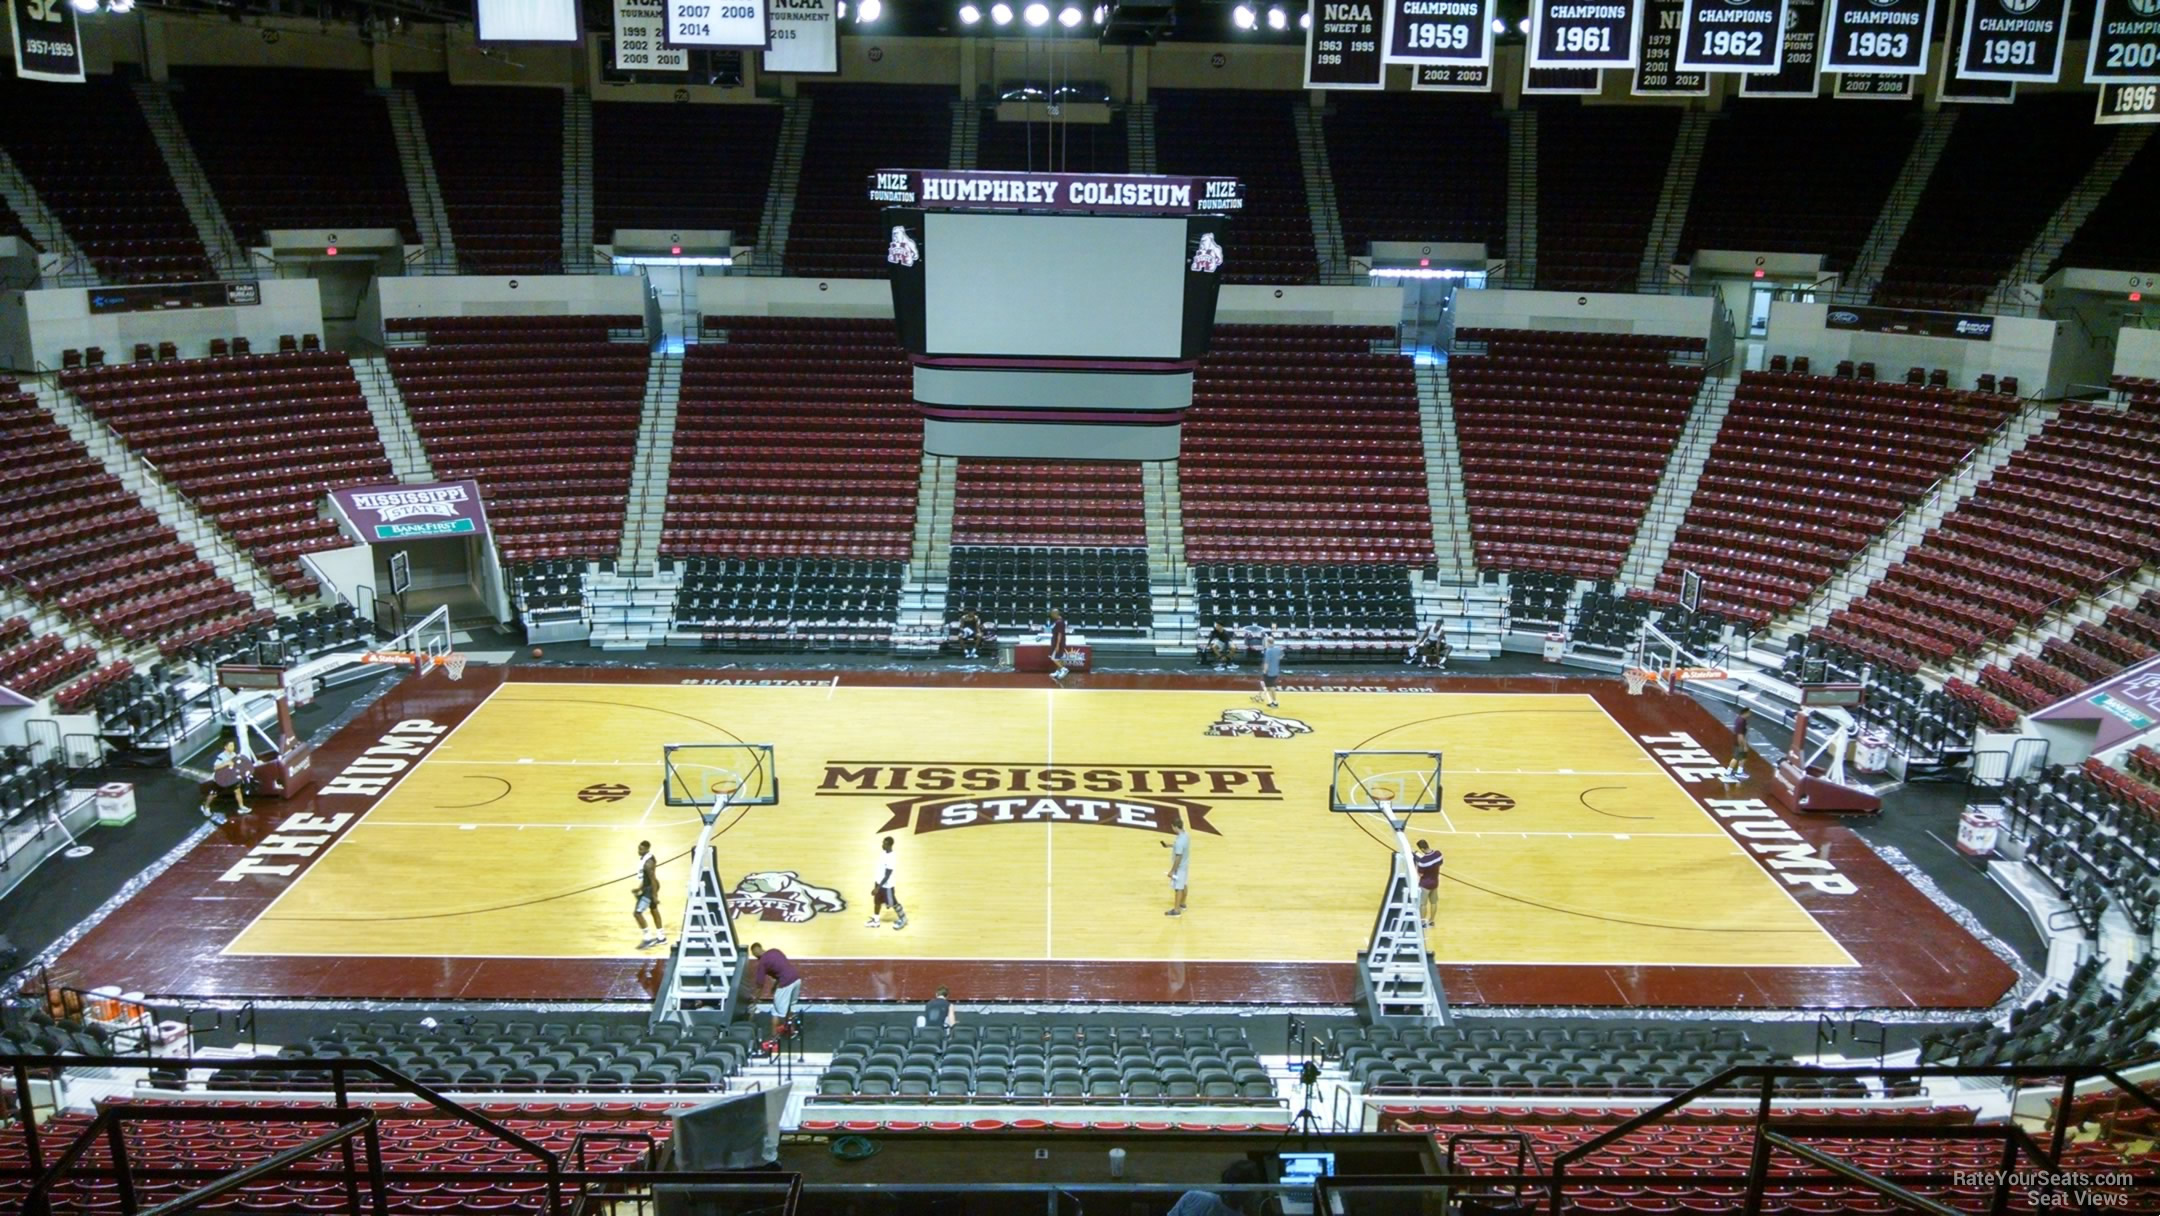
(777, 969)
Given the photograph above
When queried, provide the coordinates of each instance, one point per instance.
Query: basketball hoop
(1636, 679)
(453, 665)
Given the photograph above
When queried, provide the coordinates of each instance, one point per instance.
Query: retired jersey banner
(1440, 31)
(48, 45)
(1866, 86)
(2128, 103)
(1732, 35)
(2125, 42)
(1889, 37)
(805, 38)
(1583, 33)
(1442, 78)
(639, 42)
(1343, 46)
(1657, 52)
(1799, 72)
(2013, 40)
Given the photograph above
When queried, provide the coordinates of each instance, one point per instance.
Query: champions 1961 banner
(425, 511)
(1583, 33)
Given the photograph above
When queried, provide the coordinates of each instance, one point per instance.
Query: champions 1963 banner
(424, 511)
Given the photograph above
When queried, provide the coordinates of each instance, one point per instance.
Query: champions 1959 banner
(1349, 45)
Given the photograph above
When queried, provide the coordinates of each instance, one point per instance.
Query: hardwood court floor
(495, 847)
(477, 840)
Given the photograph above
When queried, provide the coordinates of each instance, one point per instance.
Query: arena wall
(35, 326)
(2025, 347)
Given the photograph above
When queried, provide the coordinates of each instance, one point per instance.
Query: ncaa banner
(2128, 103)
(737, 24)
(1864, 86)
(1583, 33)
(1889, 37)
(2125, 42)
(1657, 47)
(1441, 78)
(805, 38)
(1440, 31)
(1732, 35)
(48, 45)
(1343, 46)
(1799, 72)
(639, 46)
(2013, 40)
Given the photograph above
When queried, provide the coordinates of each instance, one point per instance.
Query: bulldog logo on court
(1252, 723)
(902, 251)
(782, 895)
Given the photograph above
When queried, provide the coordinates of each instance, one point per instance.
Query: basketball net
(451, 663)
(1637, 679)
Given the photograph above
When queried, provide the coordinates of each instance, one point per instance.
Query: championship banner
(1577, 82)
(1583, 33)
(1869, 86)
(1440, 31)
(2013, 40)
(2128, 103)
(1657, 48)
(1954, 89)
(1972, 327)
(48, 45)
(1885, 36)
(805, 38)
(1732, 35)
(1799, 72)
(735, 24)
(2125, 42)
(1343, 46)
(639, 46)
(1441, 78)
(428, 511)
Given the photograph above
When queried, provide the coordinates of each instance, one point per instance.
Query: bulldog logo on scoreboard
(902, 250)
(1208, 258)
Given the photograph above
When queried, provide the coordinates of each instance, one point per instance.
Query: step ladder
(702, 969)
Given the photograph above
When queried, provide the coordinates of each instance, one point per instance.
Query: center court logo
(782, 896)
(947, 797)
(1251, 723)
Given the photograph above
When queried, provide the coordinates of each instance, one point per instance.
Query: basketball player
(786, 979)
(1737, 769)
(1180, 848)
(648, 897)
(1428, 880)
(883, 893)
(1271, 650)
(1057, 643)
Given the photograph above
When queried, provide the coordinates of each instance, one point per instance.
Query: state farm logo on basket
(782, 895)
(902, 250)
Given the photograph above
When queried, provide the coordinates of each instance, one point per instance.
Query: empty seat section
(1563, 440)
(2067, 666)
(1319, 611)
(855, 130)
(719, 188)
(498, 154)
(295, 149)
(1807, 472)
(1100, 590)
(2002, 174)
(790, 603)
(1253, 137)
(1600, 171)
(1303, 445)
(2118, 235)
(1042, 502)
(1764, 185)
(34, 666)
(254, 440)
(1386, 196)
(542, 412)
(1065, 147)
(796, 437)
(2076, 508)
(89, 155)
(82, 544)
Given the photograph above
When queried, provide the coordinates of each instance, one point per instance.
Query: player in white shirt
(882, 891)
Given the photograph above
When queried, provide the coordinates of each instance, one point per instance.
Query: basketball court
(479, 839)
